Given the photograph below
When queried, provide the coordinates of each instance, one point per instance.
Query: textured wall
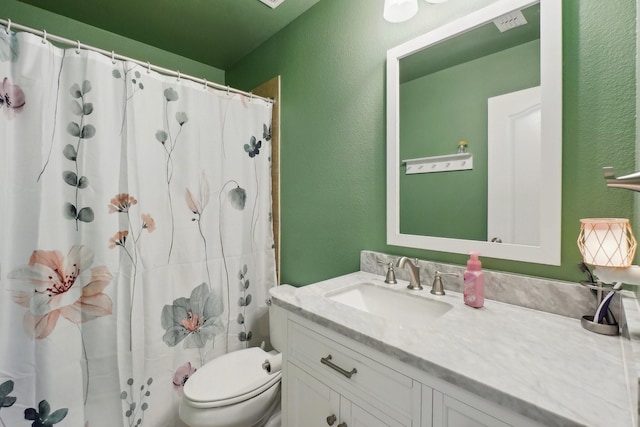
(332, 62)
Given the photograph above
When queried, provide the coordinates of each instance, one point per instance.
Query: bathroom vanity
(501, 365)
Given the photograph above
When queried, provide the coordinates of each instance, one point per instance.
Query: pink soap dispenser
(474, 282)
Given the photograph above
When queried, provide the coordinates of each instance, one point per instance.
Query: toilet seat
(231, 378)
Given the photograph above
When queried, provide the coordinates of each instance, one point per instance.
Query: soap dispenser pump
(474, 282)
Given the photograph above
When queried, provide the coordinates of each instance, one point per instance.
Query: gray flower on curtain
(170, 94)
(169, 144)
(136, 85)
(43, 417)
(266, 132)
(253, 147)
(194, 320)
(238, 198)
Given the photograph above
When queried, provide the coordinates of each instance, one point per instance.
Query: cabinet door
(449, 412)
(353, 415)
(310, 402)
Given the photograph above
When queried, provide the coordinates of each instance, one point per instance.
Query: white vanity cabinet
(312, 403)
(324, 379)
(331, 380)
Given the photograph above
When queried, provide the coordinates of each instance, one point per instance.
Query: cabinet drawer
(335, 361)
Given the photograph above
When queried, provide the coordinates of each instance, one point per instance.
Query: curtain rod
(46, 36)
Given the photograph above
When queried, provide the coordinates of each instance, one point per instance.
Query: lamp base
(599, 328)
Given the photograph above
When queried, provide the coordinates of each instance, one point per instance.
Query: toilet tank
(277, 327)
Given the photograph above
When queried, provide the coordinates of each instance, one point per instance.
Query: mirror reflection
(473, 109)
(451, 92)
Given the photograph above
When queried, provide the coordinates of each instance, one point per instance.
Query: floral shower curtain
(135, 232)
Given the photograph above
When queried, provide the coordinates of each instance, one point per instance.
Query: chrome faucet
(414, 272)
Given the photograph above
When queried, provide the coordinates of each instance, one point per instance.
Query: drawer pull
(327, 361)
(331, 419)
(342, 425)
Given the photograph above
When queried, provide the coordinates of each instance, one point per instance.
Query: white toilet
(234, 390)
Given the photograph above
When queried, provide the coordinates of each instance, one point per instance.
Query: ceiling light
(399, 10)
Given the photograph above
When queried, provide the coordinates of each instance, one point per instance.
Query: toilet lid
(230, 378)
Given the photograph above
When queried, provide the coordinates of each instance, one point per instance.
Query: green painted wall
(22, 13)
(437, 111)
(332, 63)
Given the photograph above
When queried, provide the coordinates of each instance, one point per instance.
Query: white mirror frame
(548, 252)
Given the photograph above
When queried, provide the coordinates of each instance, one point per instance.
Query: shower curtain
(135, 232)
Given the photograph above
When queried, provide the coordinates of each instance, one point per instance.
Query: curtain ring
(8, 30)
(44, 36)
(205, 84)
(178, 75)
(228, 88)
(78, 48)
(148, 67)
(113, 58)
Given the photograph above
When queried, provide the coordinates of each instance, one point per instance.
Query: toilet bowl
(235, 390)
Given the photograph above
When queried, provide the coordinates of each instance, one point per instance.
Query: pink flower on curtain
(121, 203)
(12, 98)
(181, 376)
(59, 286)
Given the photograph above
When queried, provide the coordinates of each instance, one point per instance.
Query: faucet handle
(438, 287)
(390, 276)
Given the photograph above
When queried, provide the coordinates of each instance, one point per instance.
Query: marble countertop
(541, 365)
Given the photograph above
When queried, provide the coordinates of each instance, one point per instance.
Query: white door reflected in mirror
(513, 208)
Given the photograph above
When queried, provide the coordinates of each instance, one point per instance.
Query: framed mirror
(474, 134)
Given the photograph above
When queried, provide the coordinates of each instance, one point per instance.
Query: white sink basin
(389, 304)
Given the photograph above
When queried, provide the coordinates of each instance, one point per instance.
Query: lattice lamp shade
(607, 242)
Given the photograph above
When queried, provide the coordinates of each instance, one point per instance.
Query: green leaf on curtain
(116, 74)
(247, 300)
(6, 400)
(70, 211)
(87, 108)
(86, 215)
(88, 131)
(70, 152)
(240, 319)
(75, 91)
(86, 86)
(74, 129)
(83, 182)
(44, 409)
(70, 178)
(76, 108)
(57, 416)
